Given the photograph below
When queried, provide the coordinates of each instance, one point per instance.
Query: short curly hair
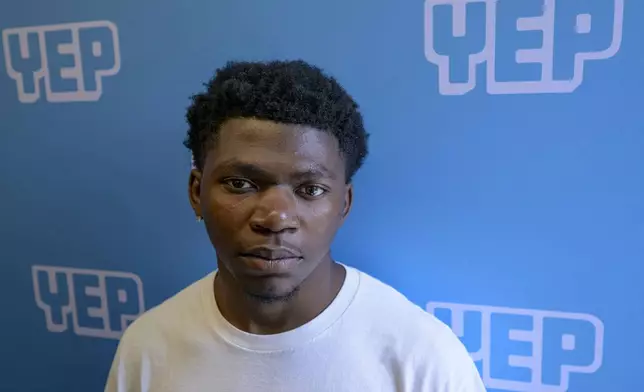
(289, 92)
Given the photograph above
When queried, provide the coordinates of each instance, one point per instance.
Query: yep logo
(99, 303)
(68, 60)
(528, 46)
(525, 350)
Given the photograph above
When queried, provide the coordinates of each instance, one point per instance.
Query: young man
(275, 146)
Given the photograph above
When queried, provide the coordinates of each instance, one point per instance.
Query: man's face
(272, 197)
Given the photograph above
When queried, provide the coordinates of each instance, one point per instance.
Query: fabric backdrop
(504, 191)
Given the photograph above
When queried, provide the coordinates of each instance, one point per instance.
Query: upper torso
(370, 339)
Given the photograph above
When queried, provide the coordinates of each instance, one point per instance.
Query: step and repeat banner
(504, 192)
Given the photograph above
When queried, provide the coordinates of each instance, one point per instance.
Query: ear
(194, 191)
(348, 201)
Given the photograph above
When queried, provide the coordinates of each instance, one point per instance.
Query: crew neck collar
(286, 340)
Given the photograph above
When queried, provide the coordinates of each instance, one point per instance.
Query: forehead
(276, 146)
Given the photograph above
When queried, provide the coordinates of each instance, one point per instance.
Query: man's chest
(317, 371)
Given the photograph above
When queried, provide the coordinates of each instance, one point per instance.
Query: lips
(271, 260)
(272, 253)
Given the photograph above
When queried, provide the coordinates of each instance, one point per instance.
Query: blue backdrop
(510, 132)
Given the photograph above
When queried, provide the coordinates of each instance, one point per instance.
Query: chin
(271, 293)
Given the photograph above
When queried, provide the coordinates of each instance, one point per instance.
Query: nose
(275, 212)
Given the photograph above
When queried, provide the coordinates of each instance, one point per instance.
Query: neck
(248, 314)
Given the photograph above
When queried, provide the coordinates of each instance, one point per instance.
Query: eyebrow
(310, 171)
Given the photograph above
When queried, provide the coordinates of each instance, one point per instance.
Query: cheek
(222, 204)
(226, 214)
(322, 220)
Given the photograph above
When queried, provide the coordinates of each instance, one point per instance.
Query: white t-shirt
(369, 339)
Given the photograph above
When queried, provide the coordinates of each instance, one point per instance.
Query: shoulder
(379, 304)
(148, 341)
(186, 303)
(154, 330)
(426, 350)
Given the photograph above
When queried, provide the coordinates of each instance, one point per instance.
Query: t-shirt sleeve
(444, 365)
(462, 376)
(113, 384)
(130, 370)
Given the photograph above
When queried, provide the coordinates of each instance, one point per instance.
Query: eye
(313, 191)
(238, 184)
